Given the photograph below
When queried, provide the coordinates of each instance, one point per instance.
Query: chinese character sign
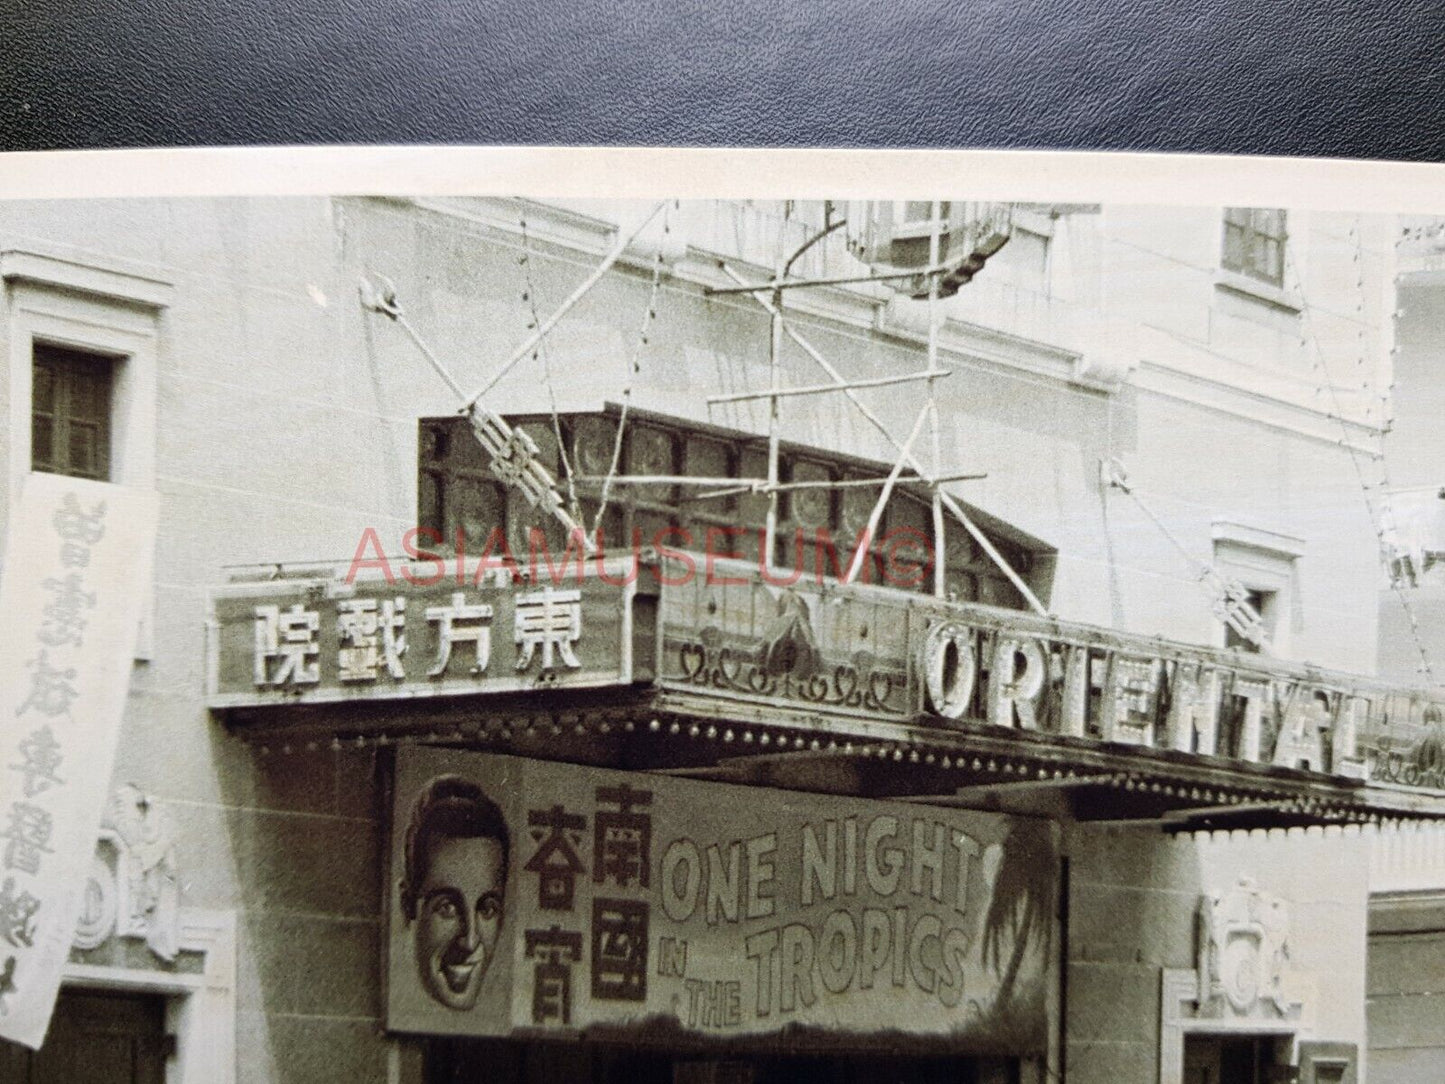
(76, 574)
(306, 641)
(538, 897)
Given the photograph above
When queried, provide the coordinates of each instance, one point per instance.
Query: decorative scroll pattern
(861, 684)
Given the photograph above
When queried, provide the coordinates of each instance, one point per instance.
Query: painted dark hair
(448, 807)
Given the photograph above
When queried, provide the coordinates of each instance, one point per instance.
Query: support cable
(613, 255)
(1327, 385)
(515, 458)
(529, 298)
(634, 367)
(1230, 600)
(936, 504)
(952, 505)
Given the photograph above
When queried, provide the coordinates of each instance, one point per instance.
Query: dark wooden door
(95, 1038)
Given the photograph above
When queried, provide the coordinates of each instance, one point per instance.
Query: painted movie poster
(529, 896)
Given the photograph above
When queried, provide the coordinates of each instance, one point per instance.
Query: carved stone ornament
(1243, 946)
(133, 889)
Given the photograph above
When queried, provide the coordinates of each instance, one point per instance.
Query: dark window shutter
(71, 412)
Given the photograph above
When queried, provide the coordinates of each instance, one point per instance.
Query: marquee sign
(322, 638)
(530, 896)
(719, 637)
(871, 653)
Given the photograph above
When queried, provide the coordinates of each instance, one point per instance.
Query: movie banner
(77, 571)
(536, 897)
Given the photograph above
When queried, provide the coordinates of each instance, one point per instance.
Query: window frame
(66, 366)
(1249, 231)
(107, 307)
(903, 227)
(1266, 562)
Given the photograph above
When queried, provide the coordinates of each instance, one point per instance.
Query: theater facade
(752, 817)
(733, 783)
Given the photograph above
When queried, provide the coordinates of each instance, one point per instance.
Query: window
(1254, 243)
(915, 217)
(1265, 562)
(70, 412)
(84, 340)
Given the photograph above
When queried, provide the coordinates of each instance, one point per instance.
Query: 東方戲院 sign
(76, 572)
(545, 897)
(290, 641)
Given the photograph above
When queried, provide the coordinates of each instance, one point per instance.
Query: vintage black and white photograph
(936, 617)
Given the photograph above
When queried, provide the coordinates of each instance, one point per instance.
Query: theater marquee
(722, 642)
(533, 896)
(326, 638)
(874, 654)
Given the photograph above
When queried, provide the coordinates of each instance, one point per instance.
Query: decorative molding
(1241, 985)
(1288, 301)
(200, 1007)
(905, 319)
(1243, 944)
(104, 277)
(136, 893)
(1239, 533)
(1272, 411)
(133, 893)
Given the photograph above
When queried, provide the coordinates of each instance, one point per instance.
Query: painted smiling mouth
(458, 975)
(458, 971)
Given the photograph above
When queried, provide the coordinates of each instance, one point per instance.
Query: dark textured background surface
(1328, 77)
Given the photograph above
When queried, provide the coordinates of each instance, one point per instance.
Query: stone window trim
(101, 305)
(1240, 275)
(1265, 560)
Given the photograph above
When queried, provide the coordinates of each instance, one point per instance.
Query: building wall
(1406, 982)
(1133, 907)
(270, 442)
(287, 426)
(1407, 912)
(1208, 427)
(1406, 968)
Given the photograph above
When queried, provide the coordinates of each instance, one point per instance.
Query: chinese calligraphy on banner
(76, 572)
(536, 897)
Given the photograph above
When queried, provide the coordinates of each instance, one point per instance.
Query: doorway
(95, 1037)
(1236, 1059)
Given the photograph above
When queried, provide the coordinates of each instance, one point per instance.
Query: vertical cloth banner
(77, 570)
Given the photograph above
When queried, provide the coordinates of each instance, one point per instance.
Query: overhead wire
(634, 366)
(529, 298)
(1327, 385)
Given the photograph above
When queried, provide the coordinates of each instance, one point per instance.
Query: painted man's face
(459, 914)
